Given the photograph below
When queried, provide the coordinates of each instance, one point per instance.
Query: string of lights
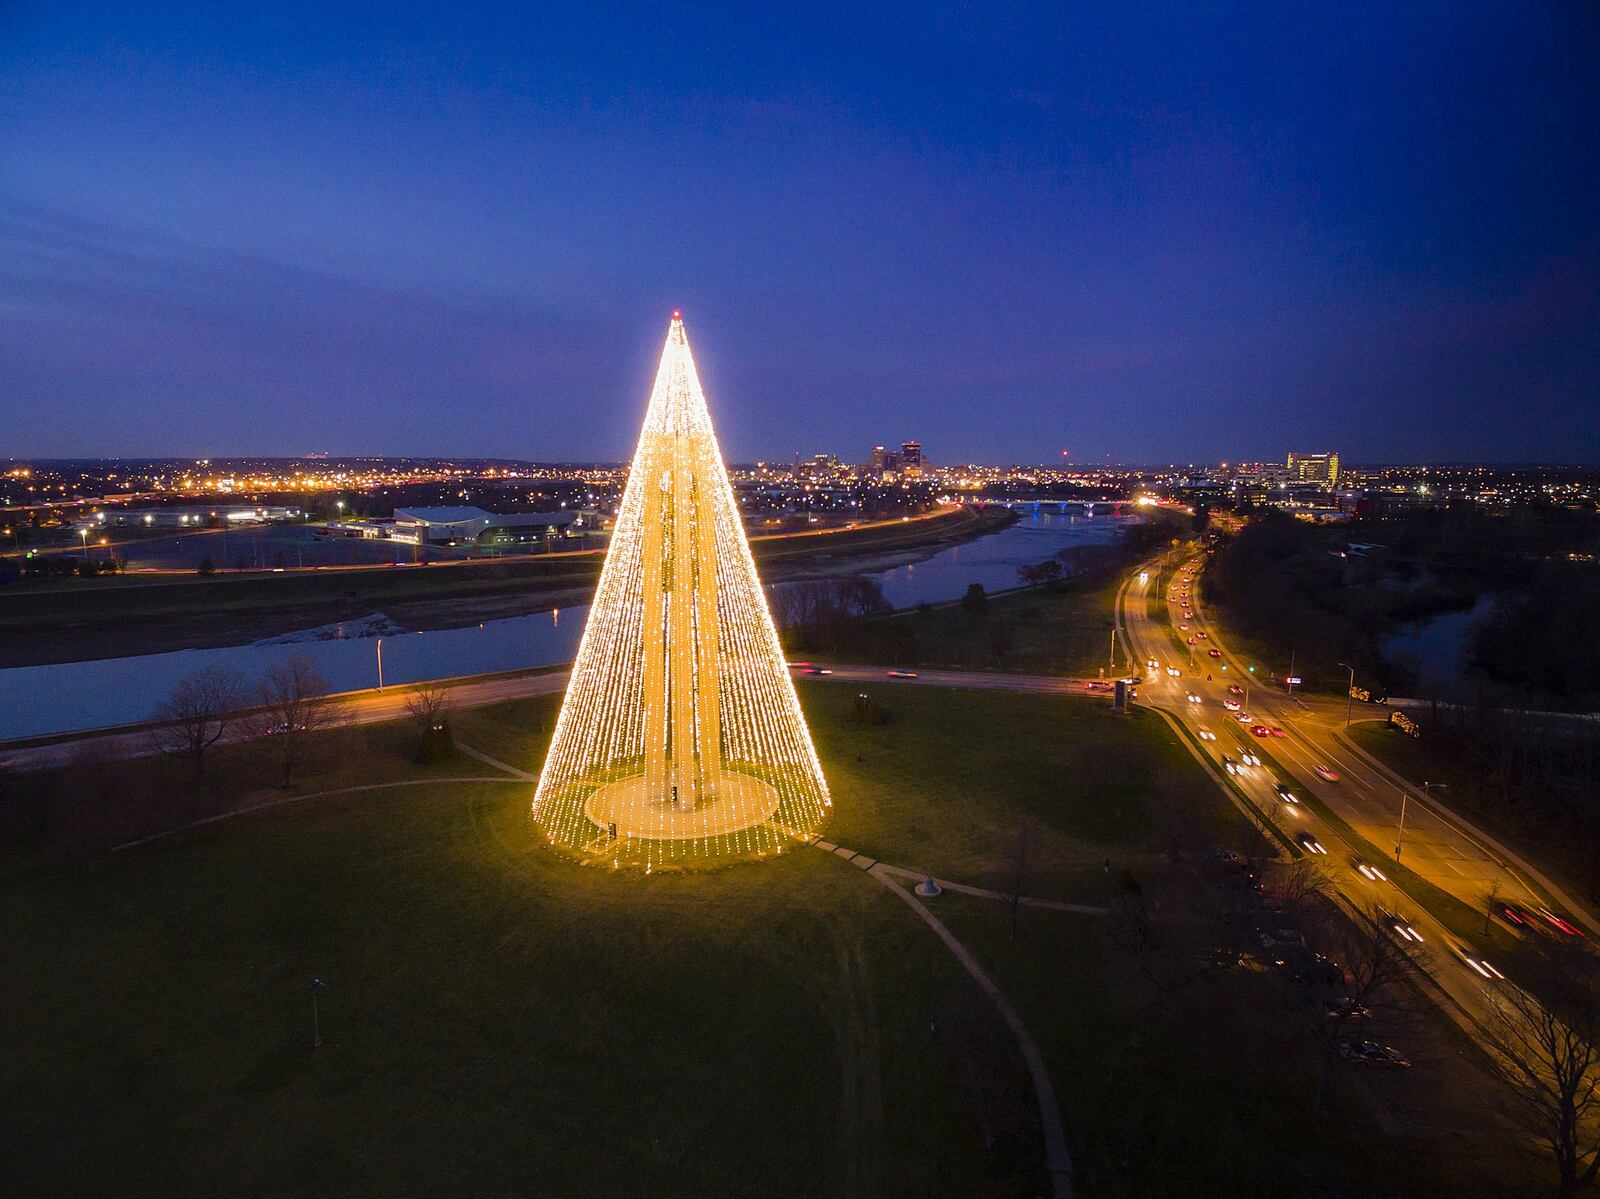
(680, 740)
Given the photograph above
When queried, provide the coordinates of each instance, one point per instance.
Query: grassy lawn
(1215, 1096)
(1035, 630)
(944, 783)
(499, 1020)
(496, 1021)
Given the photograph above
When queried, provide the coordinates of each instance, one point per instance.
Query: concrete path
(1057, 1158)
(522, 775)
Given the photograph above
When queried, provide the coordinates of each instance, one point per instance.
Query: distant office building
(447, 525)
(1314, 468)
(911, 458)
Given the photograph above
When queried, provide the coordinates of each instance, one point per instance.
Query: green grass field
(498, 1020)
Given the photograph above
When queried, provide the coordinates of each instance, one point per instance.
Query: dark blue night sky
(1144, 232)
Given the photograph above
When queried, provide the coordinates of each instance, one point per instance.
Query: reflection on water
(35, 700)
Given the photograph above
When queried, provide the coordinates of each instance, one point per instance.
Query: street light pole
(1111, 668)
(1350, 694)
(1400, 837)
(84, 533)
(380, 663)
(316, 1023)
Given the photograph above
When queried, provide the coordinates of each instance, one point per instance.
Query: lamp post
(1350, 693)
(380, 663)
(84, 533)
(1404, 796)
(317, 985)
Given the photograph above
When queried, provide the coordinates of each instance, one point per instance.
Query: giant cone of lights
(680, 740)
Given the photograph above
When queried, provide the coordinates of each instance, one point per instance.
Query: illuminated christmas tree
(680, 739)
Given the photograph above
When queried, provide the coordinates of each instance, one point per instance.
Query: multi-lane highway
(1162, 621)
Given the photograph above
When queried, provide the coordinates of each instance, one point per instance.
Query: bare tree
(1545, 1044)
(293, 704)
(1169, 944)
(1352, 974)
(198, 713)
(429, 705)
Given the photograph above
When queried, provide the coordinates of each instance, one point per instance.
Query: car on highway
(798, 665)
(1174, 672)
(1206, 734)
(1152, 664)
(1235, 689)
(1229, 764)
(1326, 773)
(1477, 964)
(1400, 927)
(1203, 635)
(1232, 705)
(1310, 844)
(1512, 915)
(1184, 627)
(1275, 730)
(1283, 793)
(816, 670)
(1370, 1053)
(1245, 718)
(1260, 730)
(1193, 698)
(900, 674)
(1188, 640)
(1215, 653)
(1249, 756)
(1560, 924)
(1370, 873)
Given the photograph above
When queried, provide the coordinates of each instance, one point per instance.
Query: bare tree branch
(293, 704)
(197, 713)
(1545, 1045)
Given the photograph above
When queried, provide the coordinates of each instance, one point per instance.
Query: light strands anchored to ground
(680, 740)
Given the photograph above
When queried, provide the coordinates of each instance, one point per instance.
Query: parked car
(1370, 1053)
(1345, 1008)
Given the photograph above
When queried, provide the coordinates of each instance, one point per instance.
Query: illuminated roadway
(1438, 846)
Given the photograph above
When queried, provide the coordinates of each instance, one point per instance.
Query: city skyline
(1140, 240)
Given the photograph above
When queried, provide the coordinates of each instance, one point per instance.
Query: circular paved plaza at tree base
(626, 809)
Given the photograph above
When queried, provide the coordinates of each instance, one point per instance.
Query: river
(72, 696)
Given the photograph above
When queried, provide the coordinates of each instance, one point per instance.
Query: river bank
(44, 622)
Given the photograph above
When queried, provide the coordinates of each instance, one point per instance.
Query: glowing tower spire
(680, 738)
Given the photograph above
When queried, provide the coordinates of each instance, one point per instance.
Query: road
(1439, 847)
(1159, 611)
(364, 707)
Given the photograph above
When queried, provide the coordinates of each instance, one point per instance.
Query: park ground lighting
(680, 741)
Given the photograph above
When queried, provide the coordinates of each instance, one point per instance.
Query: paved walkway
(523, 775)
(1057, 1157)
